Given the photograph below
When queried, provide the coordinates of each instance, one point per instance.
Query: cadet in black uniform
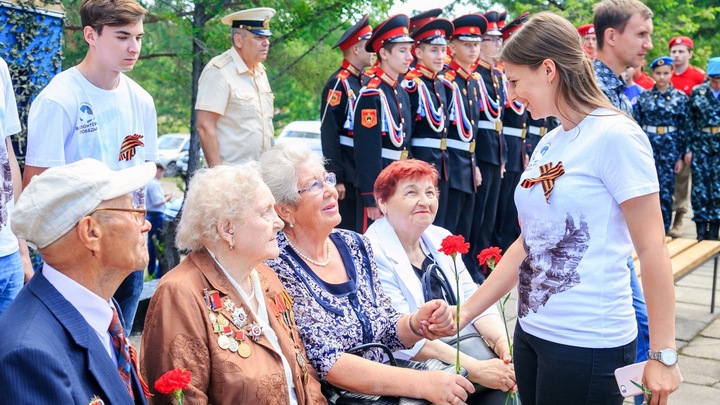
(428, 103)
(491, 151)
(336, 111)
(382, 122)
(463, 113)
(507, 227)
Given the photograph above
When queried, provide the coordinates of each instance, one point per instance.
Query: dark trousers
(551, 373)
(507, 227)
(363, 222)
(156, 219)
(459, 212)
(486, 201)
(128, 296)
(443, 196)
(348, 208)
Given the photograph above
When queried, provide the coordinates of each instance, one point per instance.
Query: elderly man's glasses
(138, 213)
(317, 185)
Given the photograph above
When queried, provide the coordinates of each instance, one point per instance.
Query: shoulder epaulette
(343, 74)
(222, 60)
(476, 76)
(450, 75)
(413, 74)
(374, 83)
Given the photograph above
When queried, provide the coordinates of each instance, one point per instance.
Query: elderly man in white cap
(235, 103)
(62, 339)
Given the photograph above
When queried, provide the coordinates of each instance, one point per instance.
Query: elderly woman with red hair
(406, 246)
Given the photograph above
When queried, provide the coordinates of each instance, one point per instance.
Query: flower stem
(457, 317)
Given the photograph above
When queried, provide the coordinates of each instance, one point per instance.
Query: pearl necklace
(307, 259)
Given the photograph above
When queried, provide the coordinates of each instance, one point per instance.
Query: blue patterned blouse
(333, 318)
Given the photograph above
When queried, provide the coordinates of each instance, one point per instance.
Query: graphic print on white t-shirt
(86, 122)
(554, 251)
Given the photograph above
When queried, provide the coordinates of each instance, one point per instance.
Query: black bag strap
(435, 275)
(374, 345)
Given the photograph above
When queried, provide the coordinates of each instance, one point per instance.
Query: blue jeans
(550, 373)
(11, 279)
(156, 219)
(641, 316)
(128, 296)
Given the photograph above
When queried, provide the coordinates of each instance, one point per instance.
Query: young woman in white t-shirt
(588, 195)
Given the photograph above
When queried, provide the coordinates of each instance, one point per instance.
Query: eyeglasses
(138, 212)
(317, 185)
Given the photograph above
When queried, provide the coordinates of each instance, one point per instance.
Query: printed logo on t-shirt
(86, 119)
(555, 249)
(130, 143)
(537, 156)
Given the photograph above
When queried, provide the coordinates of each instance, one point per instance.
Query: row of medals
(229, 338)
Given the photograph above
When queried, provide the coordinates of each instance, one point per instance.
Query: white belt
(443, 144)
(347, 141)
(659, 130)
(540, 131)
(393, 154)
(518, 132)
(495, 126)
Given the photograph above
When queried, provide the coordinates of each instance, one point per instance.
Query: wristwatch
(667, 357)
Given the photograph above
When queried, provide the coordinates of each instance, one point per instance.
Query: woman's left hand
(502, 349)
(436, 319)
(661, 380)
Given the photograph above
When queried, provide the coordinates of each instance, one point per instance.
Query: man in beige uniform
(235, 102)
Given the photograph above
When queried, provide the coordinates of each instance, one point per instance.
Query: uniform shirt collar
(242, 68)
(350, 68)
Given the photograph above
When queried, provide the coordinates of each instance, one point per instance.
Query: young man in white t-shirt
(11, 265)
(93, 110)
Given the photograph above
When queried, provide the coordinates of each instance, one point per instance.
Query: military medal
(224, 342)
(96, 401)
(233, 345)
(281, 304)
(222, 321)
(254, 330)
(230, 338)
(244, 350)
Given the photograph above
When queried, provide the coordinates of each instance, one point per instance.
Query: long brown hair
(549, 36)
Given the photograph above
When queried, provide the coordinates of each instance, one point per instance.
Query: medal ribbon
(547, 177)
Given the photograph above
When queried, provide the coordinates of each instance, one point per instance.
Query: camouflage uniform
(704, 142)
(663, 118)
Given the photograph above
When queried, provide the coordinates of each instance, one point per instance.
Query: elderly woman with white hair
(337, 298)
(221, 313)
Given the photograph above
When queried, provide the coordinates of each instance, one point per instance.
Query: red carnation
(173, 382)
(490, 257)
(454, 244)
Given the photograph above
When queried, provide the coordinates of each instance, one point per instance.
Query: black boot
(701, 230)
(713, 230)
